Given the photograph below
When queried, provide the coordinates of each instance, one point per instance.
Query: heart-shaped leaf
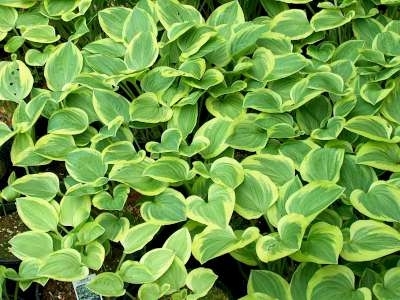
(169, 207)
(105, 201)
(218, 209)
(146, 108)
(389, 289)
(115, 228)
(227, 172)
(269, 283)
(335, 281)
(138, 236)
(107, 284)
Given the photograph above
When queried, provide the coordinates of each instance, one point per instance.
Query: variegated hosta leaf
(168, 169)
(322, 164)
(228, 13)
(138, 236)
(85, 165)
(109, 105)
(269, 283)
(380, 202)
(185, 119)
(74, 210)
(141, 52)
(172, 280)
(55, 146)
(218, 209)
(16, 81)
(286, 241)
(131, 173)
(151, 266)
(323, 245)
(58, 71)
(41, 185)
(255, 195)
(101, 285)
(68, 121)
(389, 289)
(169, 207)
(120, 152)
(213, 241)
(279, 168)
(147, 108)
(105, 201)
(138, 21)
(293, 23)
(64, 265)
(216, 131)
(31, 244)
(368, 240)
(313, 198)
(335, 282)
(9, 16)
(227, 172)
(112, 20)
(372, 127)
(171, 138)
(379, 155)
(300, 279)
(200, 281)
(115, 228)
(181, 243)
(330, 18)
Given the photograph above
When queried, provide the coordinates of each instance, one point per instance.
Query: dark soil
(57, 290)
(10, 225)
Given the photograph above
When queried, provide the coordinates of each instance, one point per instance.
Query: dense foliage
(266, 131)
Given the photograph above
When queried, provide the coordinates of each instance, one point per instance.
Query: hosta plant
(268, 135)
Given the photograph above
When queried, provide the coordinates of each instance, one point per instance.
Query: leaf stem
(121, 260)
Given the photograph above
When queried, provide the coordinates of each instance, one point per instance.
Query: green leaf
(213, 242)
(64, 265)
(44, 34)
(41, 185)
(300, 279)
(368, 240)
(68, 121)
(107, 284)
(112, 20)
(151, 266)
(115, 227)
(8, 18)
(106, 47)
(16, 81)
(184, 118)
(292, 23)
(131, 173)
(380, 202)
(120, 152)
(74, 210)
(194, 39)
(171, 138)
(138, 236)
(246, 136)
(389, 289)
(181, 243)
(55, 146)
(373, 93)
(264, 100)
(285, 242)
(326, 81)
(23, 152)
(105, 201)
(268, 283)
(323, 245)
(227, 172)
(327, 19)
(335, 282)
(5, 133)
(171, 11)
(286, 65)
(31, 211)
(255, 195)
(147, 108)
(85, 165)
(322, 164)
(313, 198)
(229, 13)
(31, 244)
(108, 105)
(138, 21)
(217, 210)
(89, 232)
(372, 127)
(229, 106)
(379, 155)
(103, 64)
(216, 131)
(13, 44)
(141, 52)
(385, 41)
(168, 169)
(279, 168)
(174, 279)
(169, 207)
(211, 77)
(200, 281)
(57, 71)
(245, 38)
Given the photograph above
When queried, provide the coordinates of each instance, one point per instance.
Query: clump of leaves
(289, 119)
